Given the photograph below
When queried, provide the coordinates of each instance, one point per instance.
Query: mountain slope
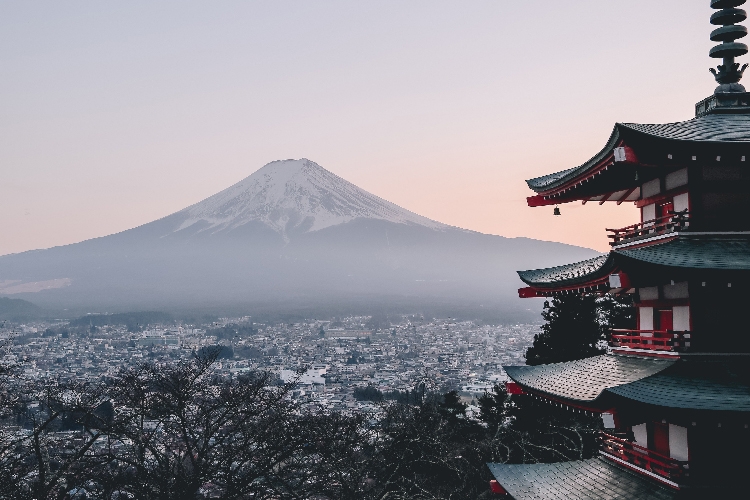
(18, 310)
(294, 196)
(292, 235)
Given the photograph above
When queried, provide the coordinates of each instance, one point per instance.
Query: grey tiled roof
(695, 252)
(569, 274)
(728, 128)
(551, 181)
(691, 384)
(709, 128)
(586, 379)
(595, 479)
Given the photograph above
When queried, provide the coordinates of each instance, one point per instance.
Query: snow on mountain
(295, 194)
(291, 238)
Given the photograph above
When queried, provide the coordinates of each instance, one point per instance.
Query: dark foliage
(617, 311)
(525, 430)
(572, 331)
(378, 321)
(248, 352)
(179, 431)
(232, 331)
(368, 393)
(428, 450)
(354, 358)
(182, 433)
(576, 326)
(134, 321)
(174, 431)
(219, 351)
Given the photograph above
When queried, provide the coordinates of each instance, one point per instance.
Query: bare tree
(181, 431)
(428, 450)
(523, 430)
(51, 448)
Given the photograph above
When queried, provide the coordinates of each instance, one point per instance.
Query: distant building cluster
(328, 360)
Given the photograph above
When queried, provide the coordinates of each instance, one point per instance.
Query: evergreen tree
(521, 429)
(572, 331)
(617, 311)
(451, 406)
(428, 450)
(492, 408)
(577, 325)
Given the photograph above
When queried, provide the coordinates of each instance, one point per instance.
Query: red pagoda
(674, 394)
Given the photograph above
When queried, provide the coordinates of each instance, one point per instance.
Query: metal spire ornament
(729, 74)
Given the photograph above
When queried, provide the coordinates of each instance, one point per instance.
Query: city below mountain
(292, 237)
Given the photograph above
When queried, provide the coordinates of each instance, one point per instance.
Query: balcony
(655, 341)
(674, 472)
(675, 221)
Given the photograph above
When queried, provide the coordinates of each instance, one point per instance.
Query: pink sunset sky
(113, 114)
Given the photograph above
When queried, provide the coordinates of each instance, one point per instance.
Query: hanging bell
(636, 175)
(557, 211)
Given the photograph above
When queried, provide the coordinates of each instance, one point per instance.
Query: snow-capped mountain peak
(295, 194)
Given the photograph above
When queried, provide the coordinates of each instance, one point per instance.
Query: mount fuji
(291, 237)
(294, 196)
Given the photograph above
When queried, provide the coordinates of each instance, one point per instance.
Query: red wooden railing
(675, 221)
(643, 458)
(652, 340)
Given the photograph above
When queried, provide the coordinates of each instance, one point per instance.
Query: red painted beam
(565, 403)
(528, 293)
(531, 292)
(661, 196)
(541, 201)
(621, 154)
(496, 488)
(513, 388)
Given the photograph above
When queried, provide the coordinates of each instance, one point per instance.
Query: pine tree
(617, 311)
(573, 331)
(577, 325)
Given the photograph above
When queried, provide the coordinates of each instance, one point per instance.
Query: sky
(114, 114)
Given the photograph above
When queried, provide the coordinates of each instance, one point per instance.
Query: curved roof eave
(569, 274)
(586, 379)
(709, 129)
(686, 251)
(593, 478)
(708, 385)
(697, 252)
(551, 181)
(716, 129)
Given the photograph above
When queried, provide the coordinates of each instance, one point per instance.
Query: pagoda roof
(709, 128)
(593, 479)
(585, 380)
(713, 385)
(685, 251)
(695, 252)
(618, 184)
(570, 274)
(557, 179)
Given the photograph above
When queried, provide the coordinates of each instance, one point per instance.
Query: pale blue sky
(113, 114)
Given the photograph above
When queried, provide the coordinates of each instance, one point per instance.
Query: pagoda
(673, 394)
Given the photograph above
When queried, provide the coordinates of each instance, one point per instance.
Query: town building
(674, 394)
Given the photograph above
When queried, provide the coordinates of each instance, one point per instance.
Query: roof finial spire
(729, 73)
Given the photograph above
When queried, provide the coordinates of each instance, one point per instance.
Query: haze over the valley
(291, 236)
